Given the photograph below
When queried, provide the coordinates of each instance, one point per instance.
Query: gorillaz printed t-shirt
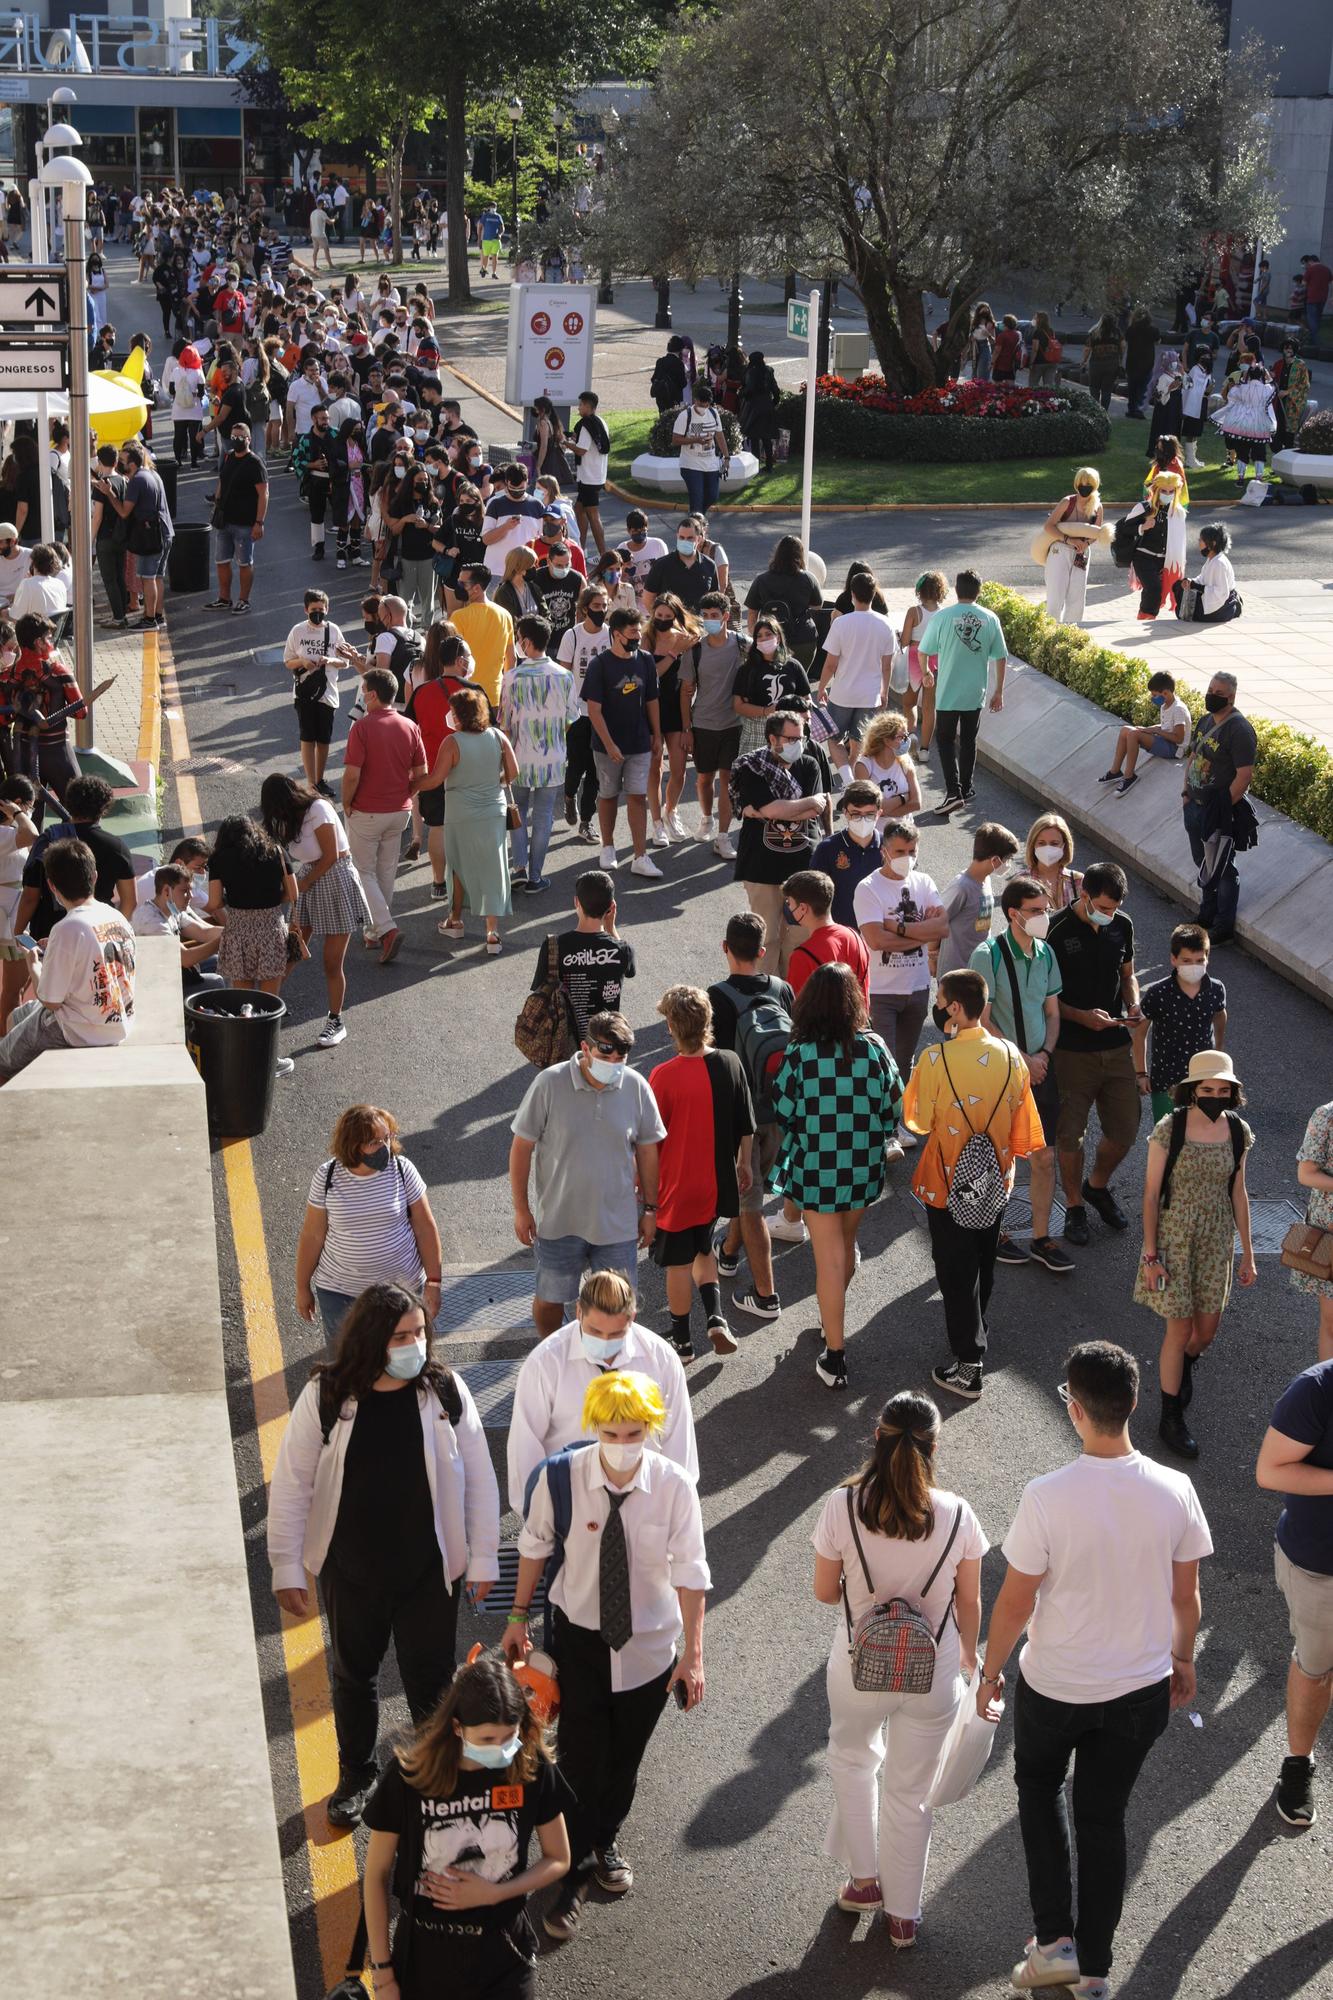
(484, 1827)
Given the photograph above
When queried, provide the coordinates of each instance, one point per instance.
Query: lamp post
(734, 303)
(606, 291)
(71, 180)
(515, 109)
(559, 121)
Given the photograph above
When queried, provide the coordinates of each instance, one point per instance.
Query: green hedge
(847, 430)
(1293, 773)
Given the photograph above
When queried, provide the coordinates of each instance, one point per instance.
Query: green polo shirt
(1038, 975)
(966, 638)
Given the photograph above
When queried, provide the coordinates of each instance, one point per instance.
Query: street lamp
(606, 291)
(515, 109)
(70, 180)
(559, 121)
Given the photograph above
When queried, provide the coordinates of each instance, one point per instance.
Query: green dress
(1196, 1234)
(476, 842)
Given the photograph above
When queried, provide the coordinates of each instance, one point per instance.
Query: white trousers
(883, 1752)
(375, 840)
(1066, 585)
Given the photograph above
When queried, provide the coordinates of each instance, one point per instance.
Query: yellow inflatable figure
(118, 416)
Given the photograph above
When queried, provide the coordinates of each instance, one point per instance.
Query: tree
(937, 145)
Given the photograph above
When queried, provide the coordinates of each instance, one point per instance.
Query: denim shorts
(152, 566)
(233, 541)
(629, 776)
(562, 1261)
(850, 721)
(1159, 747)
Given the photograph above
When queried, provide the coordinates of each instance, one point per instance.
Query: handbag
(967, 1747)
(145, 536)
(544, 1031)
(1309, 1249)
(899, 677)
(1189, 604)
(513, 817)
(892, 1648)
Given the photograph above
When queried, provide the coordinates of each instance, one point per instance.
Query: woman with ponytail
(891, 1521)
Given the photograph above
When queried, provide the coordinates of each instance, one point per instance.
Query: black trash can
(166, 470)
(187, 565)
(236, 1054)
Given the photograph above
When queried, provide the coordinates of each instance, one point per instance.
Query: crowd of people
(862, 1023)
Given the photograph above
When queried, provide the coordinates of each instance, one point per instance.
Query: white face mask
(768, 647)
(789, 752)
(605, 1072)
(901, 865)
(1049, 856)
(1036, 927)
(602, 1353)
(862, 830)
(1192, 974)
(621, 1457)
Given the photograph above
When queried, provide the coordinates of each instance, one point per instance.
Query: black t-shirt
(772, 683)
(623, 689)
(415, 542)
(1090, 957)
(789, 598)
(1182, 1024)
(231, 408)
(240, 482)
(110, 518)
(749, 983)
(756, 861)
(593, 971)
(114, 863)
(248, 882)
(484, 1827)
(687, 581)
(558, 597)
(385, 1530)
(1216, 751)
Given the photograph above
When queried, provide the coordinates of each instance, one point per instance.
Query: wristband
(430, 1281)
(1181, 1663)
(381, 1965)
(1140, 1072)
(1153, 1259)
(650, 1208)
(517, 1618)
(990, 1680)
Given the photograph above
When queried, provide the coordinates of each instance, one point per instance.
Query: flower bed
(1292, 772)
(958, 422)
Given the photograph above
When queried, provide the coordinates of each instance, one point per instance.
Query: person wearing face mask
(615, 571)
(239, 510)
(970, 1086)
(168, 913)
(900, 916)
(413, 515)
(579, 646)
(368, 1221)
(1195, 1204)
(312, 464)
(457, 543)
(1093, 941)
(586, 1130)
(968, 901)
(313, 652)
(556, 1376)
(769, 679)
(85, 984)
(513, 518)
(1217, 778)
(1186, 1012)
(547, 489)
(684, 573)
(1069, 555)
(1049, 855)
(710, 732)
(623, 1597)
(538, 702)
(555, 582)
(640, 550)
(383, 1490)
(1023, 983)
(591, 444)
(488, 629)
(672, 633)
(849, 856)
(1168, 737)
(554, 540)
(620, 691)
(451, 1822)
(777, 794)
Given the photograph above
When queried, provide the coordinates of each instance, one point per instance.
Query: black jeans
(1136, 382)
(965, 1271)
(580, 771)
(185, 439)
(1108, 1741)
(422, 1621)
(601, 1737)
(111, 568)
(956, 734)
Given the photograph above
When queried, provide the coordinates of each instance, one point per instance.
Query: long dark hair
(484, 1693)
(283, 805)
(830, 1010)
(893, 1486)
(238, 834)
(788, 558)
(362, 1348)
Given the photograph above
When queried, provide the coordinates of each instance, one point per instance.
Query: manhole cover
(485, 1301)
(1018, 1215)
(501, 1598)
(492, 1387)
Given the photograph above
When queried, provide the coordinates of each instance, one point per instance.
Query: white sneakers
(643, 864)
(676, 826)
(706, 828)
(332, 1033)
(723, 848)
(1046, 1965)
(607, 857)
(659, 836)
(788, 1232)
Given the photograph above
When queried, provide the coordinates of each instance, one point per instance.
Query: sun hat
(1210, 1066)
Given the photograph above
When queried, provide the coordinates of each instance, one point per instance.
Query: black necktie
(616, 1624)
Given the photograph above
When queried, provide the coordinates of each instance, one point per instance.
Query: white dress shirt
(664, 1534)
(553, 1381)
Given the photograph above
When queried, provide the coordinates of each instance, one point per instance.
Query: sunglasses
(610, 1049)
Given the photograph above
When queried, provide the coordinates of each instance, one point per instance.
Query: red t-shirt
(1318, 279)
(832, 944)
(229, 308)
(705, 1105)
(433, 715)
(385, 747)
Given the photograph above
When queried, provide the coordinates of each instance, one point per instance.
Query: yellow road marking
(332, 1856)
(150, 705)
(187, 792)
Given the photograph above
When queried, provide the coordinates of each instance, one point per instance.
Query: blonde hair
(1051, 822)
(517, 563)
(606, 1292)
(624, 1397)
(888, 723)
(1088, 472)
(688, 1013)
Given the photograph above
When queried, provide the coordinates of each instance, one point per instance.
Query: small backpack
(559, 1484)
(543, 1031)
(978, 1192)
(1177, 1140)
(1055, 350)
(408, 649)
(257, 400)
(763, 1032)
(892, 1648)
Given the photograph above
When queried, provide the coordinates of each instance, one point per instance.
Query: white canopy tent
(105, 399)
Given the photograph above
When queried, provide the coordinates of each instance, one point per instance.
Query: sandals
(450, 929)
(494, 946)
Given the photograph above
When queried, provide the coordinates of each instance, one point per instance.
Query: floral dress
(837, 1116)
(1196, 1234)
(1317, 1145)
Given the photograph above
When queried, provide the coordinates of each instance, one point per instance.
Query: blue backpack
(559, 1484)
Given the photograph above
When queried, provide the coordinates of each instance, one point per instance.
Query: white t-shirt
(1103, 1533)
(642, 558)
(43, 596)
(12, 860)
(883, 899)
(302, 396)
(309, 641)
(144, 891)
(1174, 710)
(305, 847)
(576, 649)
(592, 467)
(13, 569)
(88, 970)
(899, 1569)
(860, 641)
(700, 436)
(1219, 580)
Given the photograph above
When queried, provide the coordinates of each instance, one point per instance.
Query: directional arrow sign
(37, 296)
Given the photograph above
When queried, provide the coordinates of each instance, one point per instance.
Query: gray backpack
(978, 1191)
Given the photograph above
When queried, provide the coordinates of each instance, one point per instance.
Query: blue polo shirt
(846, 862)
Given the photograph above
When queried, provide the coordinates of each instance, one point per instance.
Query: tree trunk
(455, 166)
(396, 155)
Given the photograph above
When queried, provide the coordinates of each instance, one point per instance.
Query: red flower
(995, 400)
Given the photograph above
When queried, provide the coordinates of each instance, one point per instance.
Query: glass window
(157, 144)
(109, 149)
(211, 156)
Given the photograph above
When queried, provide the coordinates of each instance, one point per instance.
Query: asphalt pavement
(734, 1896)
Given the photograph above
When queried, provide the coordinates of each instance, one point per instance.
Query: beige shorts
(764, 1150)
(1309, 1612)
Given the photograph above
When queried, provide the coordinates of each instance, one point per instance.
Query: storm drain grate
(1269, 1223)
(486, 1301)
(501, 1598)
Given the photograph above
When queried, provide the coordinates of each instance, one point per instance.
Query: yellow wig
(624, 1397)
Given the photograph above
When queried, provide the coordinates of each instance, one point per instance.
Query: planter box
(649, 470)
(1306, 468)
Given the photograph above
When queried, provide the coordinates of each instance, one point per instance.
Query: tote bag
(966, 1749)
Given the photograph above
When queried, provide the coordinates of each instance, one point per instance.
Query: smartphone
(28, 942)
(682, 1694)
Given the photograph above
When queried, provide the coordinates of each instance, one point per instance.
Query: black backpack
(763, 1033)
(408, 649)
(1177, 1140)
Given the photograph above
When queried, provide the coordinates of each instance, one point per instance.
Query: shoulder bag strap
(956, 1098)
(846, 1606)
(953, 1535)
(1004, 1090)
(1020, 1027)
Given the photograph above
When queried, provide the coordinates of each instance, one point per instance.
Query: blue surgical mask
(602, 1353)
(406, 1363)
(1157, 700)
(493, 1756)
(712, 626)
(684, 545)
(1098, 917)
(605, 1072)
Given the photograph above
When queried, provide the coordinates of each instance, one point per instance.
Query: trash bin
(236, 1054)
(187, 564)
(166, 469)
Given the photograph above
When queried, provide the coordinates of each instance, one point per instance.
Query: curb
(643, 499)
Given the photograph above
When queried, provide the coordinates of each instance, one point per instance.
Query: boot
(1187, 1380)
(1191, 455)
(1173, 1430)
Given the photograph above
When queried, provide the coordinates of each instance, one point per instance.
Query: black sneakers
(722, 1338)
(1045, 1250)
(1076, 1227)
(960, 1378)
(728, 1261)
(1010, 1252)
(611, 1871)
(1295, 1792)
(348, 1800)
(1106, 1205)
(758, 1307)
(566, 1912)
(831, 1368)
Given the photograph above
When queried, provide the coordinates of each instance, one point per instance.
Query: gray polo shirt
(712, 671)
(583, 1166)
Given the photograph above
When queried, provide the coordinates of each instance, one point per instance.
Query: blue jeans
(1219, 902)
(1313, 315)
(562, 1261)
(333, 1310)
(703, 489)
(536, 804)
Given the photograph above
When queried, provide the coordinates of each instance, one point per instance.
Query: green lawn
(850, 482)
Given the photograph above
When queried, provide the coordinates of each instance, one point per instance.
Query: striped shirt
(370, 1239)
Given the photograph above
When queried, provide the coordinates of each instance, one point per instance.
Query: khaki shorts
(1309, 1613)
(764, 1150)
(1100, 1078)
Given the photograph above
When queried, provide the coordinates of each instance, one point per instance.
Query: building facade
(1296, 39)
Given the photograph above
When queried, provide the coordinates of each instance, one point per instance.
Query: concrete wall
(1301, 154)
(139, 1849)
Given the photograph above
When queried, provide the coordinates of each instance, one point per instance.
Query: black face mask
(378, 1160)
(1215, 703)
(1211, 1107)
(597, 618)
(940, 1016)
